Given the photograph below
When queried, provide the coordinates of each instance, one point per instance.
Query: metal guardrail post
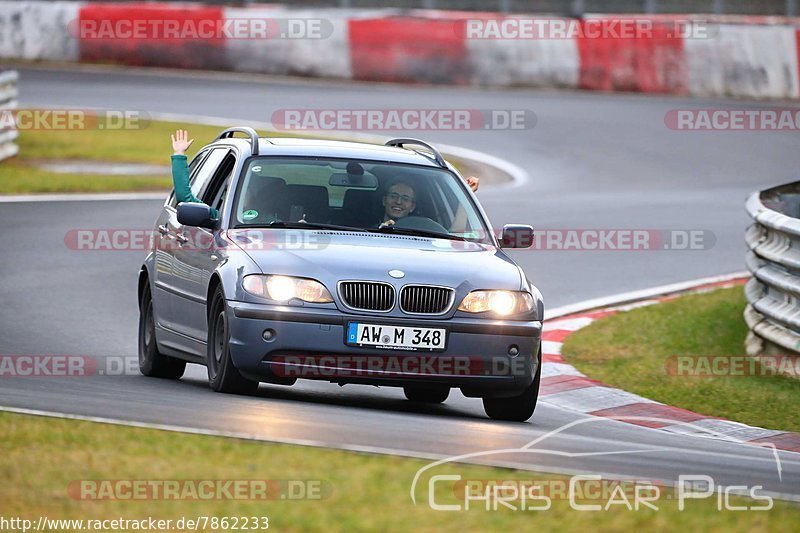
(8, 103)
(773, 258)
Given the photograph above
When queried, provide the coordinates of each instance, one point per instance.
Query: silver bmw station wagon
(346, 262)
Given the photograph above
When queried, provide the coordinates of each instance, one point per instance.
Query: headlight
(500, 302)
(285, 288)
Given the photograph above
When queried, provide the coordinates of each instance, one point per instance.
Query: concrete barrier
(752, 57)
(524, 63)
(324, 57)
(38, 30)
(94, 31)
(408, 49)
(652, 64)
(752, 61)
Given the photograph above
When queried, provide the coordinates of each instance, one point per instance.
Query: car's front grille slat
(367, 295)
(425, 299)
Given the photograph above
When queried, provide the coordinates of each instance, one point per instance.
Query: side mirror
(198, 215)
(517, 236)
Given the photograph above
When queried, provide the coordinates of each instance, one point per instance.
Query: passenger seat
(311, 200)
(361, 208)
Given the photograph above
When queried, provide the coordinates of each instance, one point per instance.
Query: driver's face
(399, 201)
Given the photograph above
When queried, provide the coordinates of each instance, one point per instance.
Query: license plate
(396, 337)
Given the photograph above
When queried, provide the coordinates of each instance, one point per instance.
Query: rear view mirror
(198, 215)
(517, 236)
(362, 181)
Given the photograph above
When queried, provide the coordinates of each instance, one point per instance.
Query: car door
(163, 275)
(195, 257)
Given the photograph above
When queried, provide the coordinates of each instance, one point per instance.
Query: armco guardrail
(773, 258)
(8, 102)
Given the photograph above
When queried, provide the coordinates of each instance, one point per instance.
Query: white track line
(313, 443)
(83, 197)
(347, 447)
(619, 299)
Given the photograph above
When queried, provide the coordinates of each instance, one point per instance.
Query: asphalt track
(594, 161)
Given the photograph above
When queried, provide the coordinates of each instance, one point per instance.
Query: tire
(153, 363)
(222, 375)
(516, 408)
(425, 395)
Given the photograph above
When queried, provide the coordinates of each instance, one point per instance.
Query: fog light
(513, 350)
(269, 335)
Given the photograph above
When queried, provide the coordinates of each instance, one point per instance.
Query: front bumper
(310, 344)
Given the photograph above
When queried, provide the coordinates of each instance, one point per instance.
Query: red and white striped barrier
(566, 387)
(753, 57)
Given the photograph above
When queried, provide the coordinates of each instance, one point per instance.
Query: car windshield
(356, 195)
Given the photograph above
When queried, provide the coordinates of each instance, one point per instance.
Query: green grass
(151, 144)
(41, 456)
(633, 351)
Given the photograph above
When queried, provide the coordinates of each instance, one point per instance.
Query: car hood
(332, 256)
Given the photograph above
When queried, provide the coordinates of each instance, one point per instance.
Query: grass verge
(150, 144)
(42, 457)
(639, 351)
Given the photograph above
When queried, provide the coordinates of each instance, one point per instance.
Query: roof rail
(399, 143)
(250, 132)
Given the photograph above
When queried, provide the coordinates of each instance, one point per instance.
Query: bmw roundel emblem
(397, 274)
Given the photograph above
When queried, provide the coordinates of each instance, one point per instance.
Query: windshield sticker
(250, 214)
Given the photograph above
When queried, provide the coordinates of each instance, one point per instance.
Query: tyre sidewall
(216, 370)
(147, 354)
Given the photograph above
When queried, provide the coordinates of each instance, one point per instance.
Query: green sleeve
(180, 180)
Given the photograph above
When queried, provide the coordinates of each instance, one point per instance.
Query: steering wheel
(420, 223)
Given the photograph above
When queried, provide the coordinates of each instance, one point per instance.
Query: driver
(399, 201)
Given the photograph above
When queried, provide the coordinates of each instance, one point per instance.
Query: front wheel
(516, 408)
(222, 375)
(153, 363)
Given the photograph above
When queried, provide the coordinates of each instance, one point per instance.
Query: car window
(196, 160)
(207, 170)
(214, 194)
(314, 190)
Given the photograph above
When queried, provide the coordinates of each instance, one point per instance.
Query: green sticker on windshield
(250, 214)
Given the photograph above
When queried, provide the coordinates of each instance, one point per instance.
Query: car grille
(425, 300)
(367, 295)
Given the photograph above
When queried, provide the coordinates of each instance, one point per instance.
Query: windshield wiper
(310, 225)
(417, 233)
(385, 229)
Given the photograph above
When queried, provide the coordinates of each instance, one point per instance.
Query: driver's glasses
(393, 197)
